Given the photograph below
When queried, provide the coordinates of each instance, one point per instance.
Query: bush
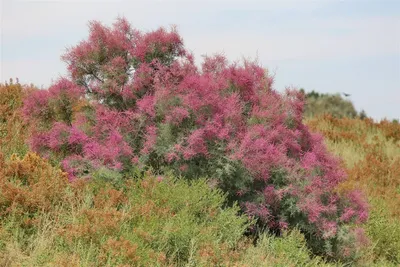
(12, 127)
(138, 98)
(29, 185)
(289, 250)
(333, 104)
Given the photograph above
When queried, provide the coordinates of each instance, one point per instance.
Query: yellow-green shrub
(12, 127)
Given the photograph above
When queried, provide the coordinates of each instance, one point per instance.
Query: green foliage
(333, 104)
(132, 218)
(150, 220)
(385, 233)
(288, 250)
(156, 221)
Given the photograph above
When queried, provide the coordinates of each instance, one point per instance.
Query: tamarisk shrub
(139, 98)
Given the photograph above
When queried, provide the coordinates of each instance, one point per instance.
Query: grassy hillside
(155, 220)
(371, 154)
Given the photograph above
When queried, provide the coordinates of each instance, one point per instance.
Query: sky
(350, 46)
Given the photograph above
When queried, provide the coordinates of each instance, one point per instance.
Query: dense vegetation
(318, 104)
(133, 160)
(145, 219)
(371, 153)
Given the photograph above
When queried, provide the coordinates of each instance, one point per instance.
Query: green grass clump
(384, 230)
(288, 250)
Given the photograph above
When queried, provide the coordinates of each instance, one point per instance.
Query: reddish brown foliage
(29, 184)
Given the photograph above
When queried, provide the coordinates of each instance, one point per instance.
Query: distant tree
(333, 104)
(363, 115)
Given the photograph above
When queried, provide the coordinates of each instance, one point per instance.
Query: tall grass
(150, 220)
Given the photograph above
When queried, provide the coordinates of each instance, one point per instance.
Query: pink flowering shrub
(138, 98)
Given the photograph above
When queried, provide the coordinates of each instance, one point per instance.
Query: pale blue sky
(330, 46)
